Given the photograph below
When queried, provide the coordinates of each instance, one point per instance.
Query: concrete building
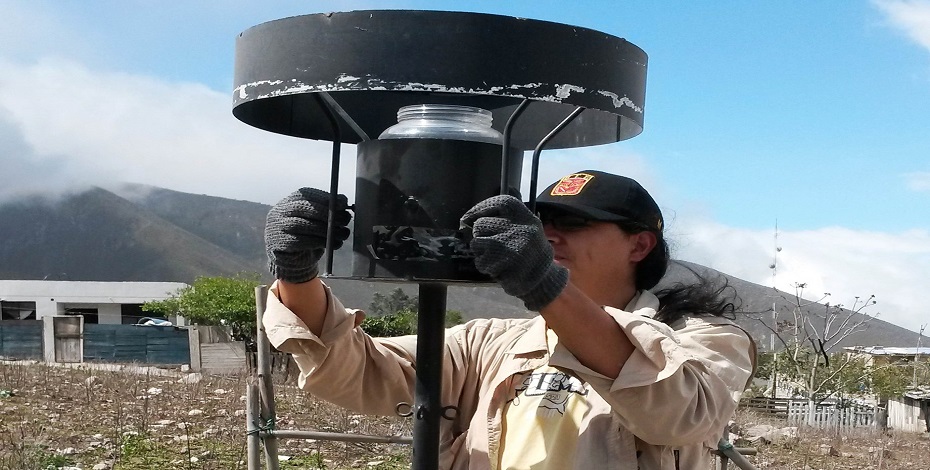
(98, 302)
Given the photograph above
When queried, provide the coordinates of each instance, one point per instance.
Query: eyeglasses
(565, 222)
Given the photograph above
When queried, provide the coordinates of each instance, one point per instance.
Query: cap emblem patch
(571, 185)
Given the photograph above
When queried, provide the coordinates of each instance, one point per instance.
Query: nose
(552, 234)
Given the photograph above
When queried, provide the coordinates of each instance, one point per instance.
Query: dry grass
(59, 417)
(859, 449)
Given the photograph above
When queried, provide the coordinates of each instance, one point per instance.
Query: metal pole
(333, 181)
(337, 436)
(727, 450)
(431, 318)
(505, 151)
(917, 356)
(265, 387)
(534, 169)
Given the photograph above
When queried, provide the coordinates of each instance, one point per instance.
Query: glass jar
(443, 121)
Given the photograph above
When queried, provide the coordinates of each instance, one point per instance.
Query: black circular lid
(368, 64)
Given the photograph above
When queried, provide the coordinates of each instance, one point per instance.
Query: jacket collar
(644, 303)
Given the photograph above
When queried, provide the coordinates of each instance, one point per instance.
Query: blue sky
(814, 114)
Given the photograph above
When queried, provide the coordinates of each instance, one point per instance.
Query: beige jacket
(668, 405)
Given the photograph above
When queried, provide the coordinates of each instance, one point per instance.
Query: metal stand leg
(265, 387)
(427, 402)
(251, 419)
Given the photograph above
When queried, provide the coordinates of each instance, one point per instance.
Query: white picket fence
(829, 415)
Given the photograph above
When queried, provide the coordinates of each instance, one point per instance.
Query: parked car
(149, 321)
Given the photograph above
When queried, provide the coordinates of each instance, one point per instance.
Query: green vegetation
(228, 301)
(840, 375)
(395, 314)
(41, 458)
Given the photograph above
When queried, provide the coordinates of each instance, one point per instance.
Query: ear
(643, 243)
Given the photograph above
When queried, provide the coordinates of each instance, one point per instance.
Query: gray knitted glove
(295, 233)
(510, 246)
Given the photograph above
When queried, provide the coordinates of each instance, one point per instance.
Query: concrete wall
(213, 351)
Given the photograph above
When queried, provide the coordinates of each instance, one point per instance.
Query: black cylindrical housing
(410, 195)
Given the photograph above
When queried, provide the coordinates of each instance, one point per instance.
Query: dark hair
(702, 297)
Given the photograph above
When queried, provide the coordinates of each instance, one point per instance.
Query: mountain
(236, 226)
(144, 233)
(97, 235)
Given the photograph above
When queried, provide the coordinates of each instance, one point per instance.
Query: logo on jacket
(553, 388)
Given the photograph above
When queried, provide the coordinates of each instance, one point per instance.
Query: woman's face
(600, 256)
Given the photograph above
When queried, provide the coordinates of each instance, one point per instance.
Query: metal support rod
(335, 107)
(333, 182)
(505, 152)
(265, 387)
(746, 450)
(336, 436)
(427, 409)
(251, 426)
(534, 174)
(726, 452)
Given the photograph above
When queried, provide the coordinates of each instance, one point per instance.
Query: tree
(396, 301)
(395, 314)
(809, 336)
(227, 301)
(888, 380)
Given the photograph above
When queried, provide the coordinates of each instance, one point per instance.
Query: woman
(606, 376)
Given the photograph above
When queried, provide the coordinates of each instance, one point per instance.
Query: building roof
(890, 351)
(921, 392)
(87, 291)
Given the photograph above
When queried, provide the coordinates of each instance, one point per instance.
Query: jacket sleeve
(680, 386)
(343, 365)
(349, 368)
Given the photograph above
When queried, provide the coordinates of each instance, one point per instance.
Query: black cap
(602, 196)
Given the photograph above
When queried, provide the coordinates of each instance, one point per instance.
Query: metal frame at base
(261, 434)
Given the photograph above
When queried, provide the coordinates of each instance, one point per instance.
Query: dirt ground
(95, 417)
(139, 418)
(815, 449)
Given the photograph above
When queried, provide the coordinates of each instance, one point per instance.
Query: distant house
(889, 355)
(98, 302)
(77, 321)
(911, 411)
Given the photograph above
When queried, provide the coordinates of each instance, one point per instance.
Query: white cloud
(912, 17)
(918, 181)
(106, 127)
(844, 262)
